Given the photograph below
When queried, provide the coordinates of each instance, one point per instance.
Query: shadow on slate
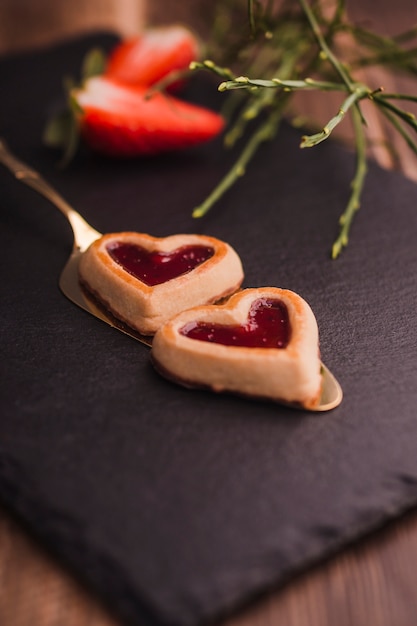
(176, 506)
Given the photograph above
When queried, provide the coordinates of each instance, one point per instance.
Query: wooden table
(369, 584)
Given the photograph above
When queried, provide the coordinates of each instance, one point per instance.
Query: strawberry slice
(121, 120)
(151, 56)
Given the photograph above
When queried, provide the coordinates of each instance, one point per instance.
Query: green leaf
(62, 133)
(94, 64)
(55, 134)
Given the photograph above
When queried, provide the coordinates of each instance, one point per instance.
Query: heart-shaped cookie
(262, 343)
(144, 280)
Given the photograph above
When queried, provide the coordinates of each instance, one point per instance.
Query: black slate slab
(176, 506)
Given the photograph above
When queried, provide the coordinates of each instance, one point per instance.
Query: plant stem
(251, 111)
(265, 132)
(357, 186)
(408, 118)
(243, 82)
(397, 125)
(406, 35)
(397, 96)
(324, 47)
(223, 72)
(313, 140)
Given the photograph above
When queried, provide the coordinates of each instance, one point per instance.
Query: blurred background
(25, 24)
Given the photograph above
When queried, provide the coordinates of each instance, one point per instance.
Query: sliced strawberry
(121, 120)
(153, 55)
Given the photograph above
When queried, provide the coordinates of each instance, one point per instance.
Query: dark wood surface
(370, 583)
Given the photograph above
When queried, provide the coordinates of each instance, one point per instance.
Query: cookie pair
(260, 342)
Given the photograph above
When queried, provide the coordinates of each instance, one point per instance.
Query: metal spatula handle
(84, 234)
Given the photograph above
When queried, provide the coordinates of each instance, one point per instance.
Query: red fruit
(120, 120)
(151, 56)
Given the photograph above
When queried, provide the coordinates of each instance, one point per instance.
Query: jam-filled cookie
(262, 343)
(144, 281)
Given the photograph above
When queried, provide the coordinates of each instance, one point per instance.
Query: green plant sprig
(308, 141)
(279, 49)
(265, 132)
(243, 82)
(354, 203)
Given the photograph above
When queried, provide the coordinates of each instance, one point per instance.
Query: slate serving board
(176, 506)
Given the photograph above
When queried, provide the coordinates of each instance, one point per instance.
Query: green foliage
(265, 54)
(62, 131)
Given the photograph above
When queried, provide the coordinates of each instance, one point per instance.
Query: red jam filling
(154, 268)
(268, 326)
